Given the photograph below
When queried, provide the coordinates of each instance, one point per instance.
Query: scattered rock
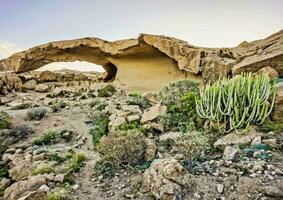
(150, 150)
(234, 138)
(271, 72)
(153, 112)
(164, 178)
(230, 153)
(42, 88)
(30, 85)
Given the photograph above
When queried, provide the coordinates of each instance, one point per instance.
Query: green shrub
(136, 99)
(77, 162)
(3, 170)
(273, 126)
(58, 193)
(48, 137)
(174, 92)
(43, 169)
(132, 126)
(97, 105)
(58, 105)
(36, 113)
(5, 120)
(119, 149)
(53, 156)
(192, 145)
(236, 103)
(181, 115)
(106, 91)
(98, 127)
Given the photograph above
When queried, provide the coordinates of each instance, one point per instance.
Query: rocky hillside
(102, 142)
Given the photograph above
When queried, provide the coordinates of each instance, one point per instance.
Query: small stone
(256, 140)
(220, 188)
(11, 150)
(230, 153)
(133, 118)
(39, 157)
(75, 187)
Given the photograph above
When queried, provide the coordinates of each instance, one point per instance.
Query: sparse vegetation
(269, 125)
(106, 91)
(54, 156)
(58, 105)
(43, 168)
(3, 170)
(76, 163)
(233, 104)
(20, 131)
(36, 114)
(119, 149)
(173, 93)
(48, 137)
(97, 105)
(98, 127)
(181, 115)
(192, 145)
(58, 193)
(5, 120)
(137, 99)
(132, 126)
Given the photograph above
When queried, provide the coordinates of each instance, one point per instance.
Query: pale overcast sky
(212, 23)
(209, 23)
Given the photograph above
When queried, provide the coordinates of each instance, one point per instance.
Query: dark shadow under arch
(111, 70)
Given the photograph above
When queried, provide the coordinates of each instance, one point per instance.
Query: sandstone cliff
(152, 59)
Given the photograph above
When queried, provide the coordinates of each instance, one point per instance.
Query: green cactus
(238, 102)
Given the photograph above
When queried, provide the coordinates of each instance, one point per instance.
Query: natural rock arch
(151, 61)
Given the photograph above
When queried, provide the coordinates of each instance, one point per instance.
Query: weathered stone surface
(277, 113)
(41, 88)
(258, 54)
(151, 61)
(150, 150)
(10, 80)
(22, 188)
(230, 153)
(153, 112)
(164, 178)
(234, 138)
(30, 85)
(272, 73)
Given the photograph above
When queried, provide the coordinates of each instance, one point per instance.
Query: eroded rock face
(151, 61)
(277, 112)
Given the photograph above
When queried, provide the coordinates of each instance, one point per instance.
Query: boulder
(42, 88)
(271, 72)
(150, 150)
(30, 84)
(22, 188)
(234, 138)
(153, 112)
(47, 76)
(164, 178)
(11, 81)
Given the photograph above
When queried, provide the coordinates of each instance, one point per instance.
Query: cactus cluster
(234, 104)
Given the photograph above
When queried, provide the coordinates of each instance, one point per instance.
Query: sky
(207, 23)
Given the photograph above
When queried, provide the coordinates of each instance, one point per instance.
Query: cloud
(7, 49)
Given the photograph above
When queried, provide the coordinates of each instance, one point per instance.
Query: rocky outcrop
(154, 60)
(277, 112)
(164, 178)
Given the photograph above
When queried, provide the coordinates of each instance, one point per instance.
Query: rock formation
(151, 61)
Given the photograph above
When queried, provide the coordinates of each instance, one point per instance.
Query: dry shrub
(122, 149)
